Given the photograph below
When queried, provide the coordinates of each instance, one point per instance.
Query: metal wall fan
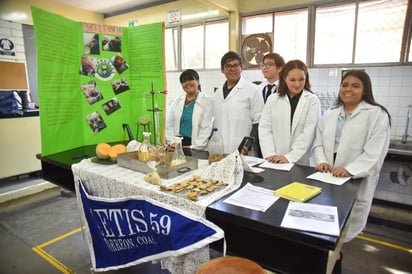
(254, 47)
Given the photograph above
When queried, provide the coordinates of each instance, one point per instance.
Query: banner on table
(129, 231)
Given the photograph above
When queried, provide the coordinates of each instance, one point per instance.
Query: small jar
(215, 146)
(145, 149)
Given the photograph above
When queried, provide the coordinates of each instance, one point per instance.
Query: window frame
(179, 37)
(406, 43)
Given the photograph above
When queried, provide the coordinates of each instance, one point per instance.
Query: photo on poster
(91, 43)
(111, 106)
(96, 122)
(119, 63)
(88, 66)
(91, 92)
(112, 43)
(120, 85)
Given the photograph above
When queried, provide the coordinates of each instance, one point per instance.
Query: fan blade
(259, 57)
(249, 55)
(253, 43)
(264, 46)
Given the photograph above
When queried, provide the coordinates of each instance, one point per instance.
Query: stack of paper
(298, 192)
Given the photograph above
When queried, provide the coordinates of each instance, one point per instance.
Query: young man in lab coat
(238, 104)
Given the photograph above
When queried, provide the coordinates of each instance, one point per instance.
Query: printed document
(251, 160)
(327, 177)
(279, 166)
(253, 197)
(312, 217)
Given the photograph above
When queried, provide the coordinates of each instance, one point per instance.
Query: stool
(146, 128)
(230, 265)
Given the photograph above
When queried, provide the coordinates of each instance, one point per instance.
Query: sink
(397, 147)
(401, 146)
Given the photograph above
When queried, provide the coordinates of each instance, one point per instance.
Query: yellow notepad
(298, 192)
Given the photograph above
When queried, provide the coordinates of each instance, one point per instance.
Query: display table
(258, 235)
(254, 235)
(113, 181)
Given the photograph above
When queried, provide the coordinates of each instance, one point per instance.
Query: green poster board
(93, 78)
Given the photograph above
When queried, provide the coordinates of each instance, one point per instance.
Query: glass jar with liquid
(145, 149)
(215, 146)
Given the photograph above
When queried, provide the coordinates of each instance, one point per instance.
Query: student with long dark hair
(352, 139)
(191, 114)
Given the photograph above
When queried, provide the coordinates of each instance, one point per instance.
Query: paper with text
(327, 177)
(312, 217)
(253, 197)
(279, 166)
(252, 161)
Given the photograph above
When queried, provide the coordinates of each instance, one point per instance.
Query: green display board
(94, 78)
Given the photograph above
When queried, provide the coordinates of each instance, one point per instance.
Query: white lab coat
(201, 121)
(236, 114)
(278, 137)
(362, 149)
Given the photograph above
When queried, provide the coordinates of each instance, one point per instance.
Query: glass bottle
(215, 147)
(144, 152)
(178, 156)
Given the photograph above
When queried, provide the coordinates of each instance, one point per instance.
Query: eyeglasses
(267, 65)
(229, 66)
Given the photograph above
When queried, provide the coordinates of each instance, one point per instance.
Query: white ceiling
(112, 7)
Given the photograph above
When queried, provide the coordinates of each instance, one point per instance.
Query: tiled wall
(392, 87)
(14, 32)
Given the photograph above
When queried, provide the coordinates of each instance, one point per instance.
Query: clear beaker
(178, 157)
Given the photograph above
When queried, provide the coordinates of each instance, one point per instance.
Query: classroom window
(288, 28)
(257, 24)
(192, 47)
(379, 31)
(171, 49)
(290, 36)
(347, 33)
(334, 41)
(202, 45)
(216, 43)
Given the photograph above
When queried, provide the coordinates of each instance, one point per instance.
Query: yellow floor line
(409, 250)
(56, 263)
(68, 234)
(53, 261)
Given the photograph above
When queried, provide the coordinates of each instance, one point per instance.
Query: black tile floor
(45, 237)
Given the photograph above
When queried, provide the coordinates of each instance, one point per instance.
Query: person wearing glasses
(271, 66)
(289, 117)
(237, 104)
(191, 114)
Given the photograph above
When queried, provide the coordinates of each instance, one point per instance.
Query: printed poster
(94, 78)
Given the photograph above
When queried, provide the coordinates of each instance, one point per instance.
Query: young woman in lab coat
(191, 114)
(288, 122)
(352, 139)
